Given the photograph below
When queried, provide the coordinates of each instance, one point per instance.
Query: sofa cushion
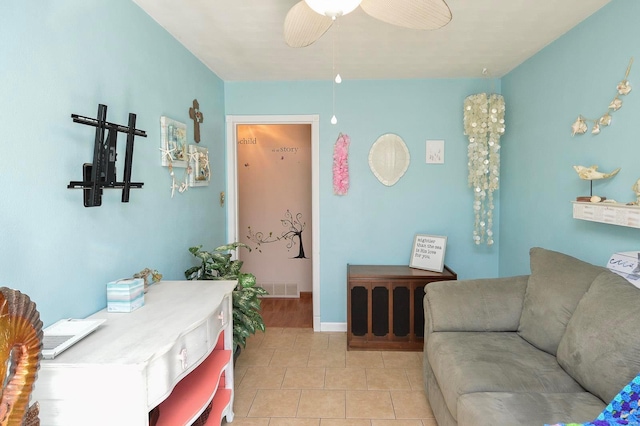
(556, 285)
(526, 409)
(465, 362)
(601, 348)
(488, 304)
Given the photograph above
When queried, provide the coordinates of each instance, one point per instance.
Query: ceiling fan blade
(414, 14)
(303, 26)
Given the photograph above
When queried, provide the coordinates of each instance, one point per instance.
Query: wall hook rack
(102, 172)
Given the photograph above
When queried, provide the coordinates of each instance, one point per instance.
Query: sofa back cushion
(601, 347)
(556, 285)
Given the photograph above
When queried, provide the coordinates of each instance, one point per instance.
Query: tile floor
(295, 377)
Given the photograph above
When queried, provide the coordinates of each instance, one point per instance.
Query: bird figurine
(592, 173)
(636, 188)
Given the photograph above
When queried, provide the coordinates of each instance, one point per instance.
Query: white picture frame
(173, 139)
(435, 152)
(200, 173)
(428, 252)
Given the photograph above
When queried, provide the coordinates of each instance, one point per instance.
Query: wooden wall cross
(197, 117)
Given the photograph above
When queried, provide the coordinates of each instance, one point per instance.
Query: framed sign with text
(428, 252)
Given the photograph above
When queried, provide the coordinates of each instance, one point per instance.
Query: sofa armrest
(490, 304)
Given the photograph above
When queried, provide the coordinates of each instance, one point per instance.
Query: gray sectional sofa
(553, 346)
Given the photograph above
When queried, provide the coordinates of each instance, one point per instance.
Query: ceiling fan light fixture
(333, 8)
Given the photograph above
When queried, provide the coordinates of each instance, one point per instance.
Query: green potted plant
(218, 264)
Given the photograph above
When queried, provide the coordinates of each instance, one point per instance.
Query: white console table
(175, 352)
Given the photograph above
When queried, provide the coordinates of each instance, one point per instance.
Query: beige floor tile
(346, 378)
(303, 378)
(243, 421)
(369, 405)
(255, 357)
(278, 341)
(345, 422)
(322, 404)
(242, 400)
(411, 405)
(395, 359)
(290, 358)
(262, 378)
(275, 403)
(328, 358)
(416, 378)
(364, 359)
(297, 330)
(401, 422)
(255, 340)
(313, 341)
(294, 421)
(338, 341)
(387, 379)
(295, 377)
(239, 372)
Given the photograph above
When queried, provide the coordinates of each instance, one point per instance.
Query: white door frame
(232, 187)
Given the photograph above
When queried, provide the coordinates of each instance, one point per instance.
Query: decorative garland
(484, 123)
(184, 185)
(579, 127)
(341, 165)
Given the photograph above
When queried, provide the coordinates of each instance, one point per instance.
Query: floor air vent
(281, 289)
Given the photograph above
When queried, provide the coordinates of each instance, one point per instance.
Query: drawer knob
(183, 358)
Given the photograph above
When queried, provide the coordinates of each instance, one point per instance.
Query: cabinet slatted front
(385, 306)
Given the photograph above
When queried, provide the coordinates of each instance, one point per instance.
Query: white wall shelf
(614, 214)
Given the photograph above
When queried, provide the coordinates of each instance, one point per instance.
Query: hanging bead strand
(484, 124)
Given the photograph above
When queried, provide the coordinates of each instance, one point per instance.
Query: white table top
(168, 312)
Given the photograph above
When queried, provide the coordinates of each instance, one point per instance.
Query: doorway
(265, 237)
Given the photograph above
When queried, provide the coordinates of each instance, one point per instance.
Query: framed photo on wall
(173, 136)
(428, 252)
(199, 163)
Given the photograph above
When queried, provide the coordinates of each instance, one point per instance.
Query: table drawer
(191, 348)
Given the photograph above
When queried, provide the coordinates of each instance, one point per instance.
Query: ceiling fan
(308, 20)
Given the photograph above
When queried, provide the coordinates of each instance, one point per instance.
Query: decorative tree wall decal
(295, 226)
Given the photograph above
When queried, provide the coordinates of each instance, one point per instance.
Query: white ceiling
(241, 40)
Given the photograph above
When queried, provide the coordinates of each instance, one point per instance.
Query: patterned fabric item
(624, 409)
(341, 165)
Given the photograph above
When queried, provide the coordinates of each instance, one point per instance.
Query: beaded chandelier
(484, 124)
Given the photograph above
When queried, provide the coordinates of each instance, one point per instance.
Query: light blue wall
(575, 75)
(64, 57)
(375, 224)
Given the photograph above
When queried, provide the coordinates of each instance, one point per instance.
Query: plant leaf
(218, 264)
(194, 250)
(247, 280)
(192, 273)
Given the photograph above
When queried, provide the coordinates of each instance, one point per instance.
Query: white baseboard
(333, 326)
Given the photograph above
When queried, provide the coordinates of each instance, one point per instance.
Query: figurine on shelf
(150, 276)
(591, 174)
(635, 188)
